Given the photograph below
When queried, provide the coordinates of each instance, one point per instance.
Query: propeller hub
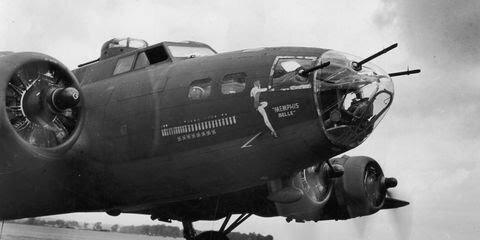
(390, 182)
(65, 98)
(43, 102)
(33, 103)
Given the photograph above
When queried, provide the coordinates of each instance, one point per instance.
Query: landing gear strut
(189, 231)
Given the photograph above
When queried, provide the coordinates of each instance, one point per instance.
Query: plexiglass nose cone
(350, 102)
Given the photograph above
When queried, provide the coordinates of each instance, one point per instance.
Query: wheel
(211, 235)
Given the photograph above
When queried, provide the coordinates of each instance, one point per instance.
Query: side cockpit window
(142, 61)
(156, 55)
(124, 64)
(233, 83)
(200, 89)
(284, 74)
(151, 56)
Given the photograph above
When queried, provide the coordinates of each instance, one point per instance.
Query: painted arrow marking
(247, 144)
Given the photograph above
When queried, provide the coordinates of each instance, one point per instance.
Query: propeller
(43, 103)
(400, 214)
(400, 217)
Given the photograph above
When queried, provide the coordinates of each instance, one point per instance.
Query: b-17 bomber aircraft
(180, 132)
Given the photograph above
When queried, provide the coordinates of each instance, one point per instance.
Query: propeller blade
(400, 215)
(402, 222)
(361, 225)
(394, 203)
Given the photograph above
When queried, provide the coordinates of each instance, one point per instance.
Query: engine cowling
(317, 194)
(302, 197)
(41, 111)
(360, 191)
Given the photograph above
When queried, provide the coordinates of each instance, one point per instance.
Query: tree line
(51, 223)
(175, 232)
(151, 230)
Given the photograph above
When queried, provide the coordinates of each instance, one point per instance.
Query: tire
(211, 235)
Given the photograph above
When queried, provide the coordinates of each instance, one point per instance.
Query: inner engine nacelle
(360, 191)
(303, 196)
(41, 112)
(316, 194)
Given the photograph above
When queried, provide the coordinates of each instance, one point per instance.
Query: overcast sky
(428, 140)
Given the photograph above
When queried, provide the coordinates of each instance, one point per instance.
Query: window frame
(243, 76)
(210, 93)
(168, 57)
(279, 59)
(132, 64)
(136, 61)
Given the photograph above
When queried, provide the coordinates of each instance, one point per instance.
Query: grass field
(29, 232)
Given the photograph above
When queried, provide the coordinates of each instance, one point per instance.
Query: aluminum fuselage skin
(146, 143)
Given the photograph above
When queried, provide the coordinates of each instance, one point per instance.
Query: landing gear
(189, 231)
(211, 235)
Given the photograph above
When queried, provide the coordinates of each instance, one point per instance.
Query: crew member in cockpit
(360, 107)
(359, 111)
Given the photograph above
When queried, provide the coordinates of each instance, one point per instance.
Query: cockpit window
(284, 75)
(137, 43)
(142, 61)
(190, 51)
(124, 64)
(116, 46)
(118, 43)
(200, 89)
(233, 83)
(151, 56)
(127, 42)
(286, 65)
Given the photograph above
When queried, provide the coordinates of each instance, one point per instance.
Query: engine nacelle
(314, 195)
(304, 196)
(41, 112)
(360, 191)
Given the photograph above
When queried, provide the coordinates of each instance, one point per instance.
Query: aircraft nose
(350, 100)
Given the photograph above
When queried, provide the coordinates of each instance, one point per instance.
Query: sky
(428, 140)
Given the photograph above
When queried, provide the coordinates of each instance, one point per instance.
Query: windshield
(127, 42)
(189, 51)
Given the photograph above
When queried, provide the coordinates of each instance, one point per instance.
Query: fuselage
(178, 130)
(155, 140)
